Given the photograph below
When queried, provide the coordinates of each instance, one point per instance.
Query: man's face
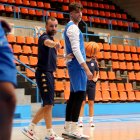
(76, 16)
(51, 27)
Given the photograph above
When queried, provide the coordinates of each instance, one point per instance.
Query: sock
(90, 119)
(68, 126)
(80, 119)
(32, 126)
(74, 127)
(49, 131)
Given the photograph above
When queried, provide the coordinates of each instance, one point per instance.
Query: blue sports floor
(111, 127)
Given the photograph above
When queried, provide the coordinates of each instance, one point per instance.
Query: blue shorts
(7, 66)
(45, 82)
(91, 90)
(78, 78)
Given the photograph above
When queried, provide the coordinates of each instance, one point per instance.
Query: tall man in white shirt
(78, 71)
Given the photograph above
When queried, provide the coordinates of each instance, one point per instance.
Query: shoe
(91, 124)
(29, 133)
(79, 136)
(80, 124)
(53, 136)
(66, 133)
(76, 134)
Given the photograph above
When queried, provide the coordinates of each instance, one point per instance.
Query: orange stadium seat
(11, 38)
(104, 86)
(103, 75)
(107, 55)
(138, 76)
(136, 66)
(89, 4)
(112, 7)
(20, 40)
(89, 11)
(121, 87)
(121, 56)
(114, 95)
(32, 12)
(17, 49)
(33, 60)
(66, 90)
(95, 4)
(84, 3)
(124, 16)
(29, 40)
(131, 96)
(98, 96)
(85, 18)
(59, 86)
(60, 73)
(106, 95)
(120, 48)
(127, 49)
(2, 8)
(107, 13)
(137, 94)
(113, 47)
(106, 6)
(101, 5)
(53, 14)
(128, 87)
(24, 59)
(133, 49)
(123, 96)
(106, 47)
(67, 74)
(34, 50)
(114, 56)
(111, 75)
(33, 3)
(65, 8)
(61, 62)
(18, 2)
(115, 65)
(135, 57)
(26, 2)
(26, 50)
(30, 73)
(122, 65)
(24, 11)
(66, 1)
(39, 12)
(138, 49)
(47, 5)
(8, 8)
(100, 55)
(128, 57)
(9, 1)
(118, 15)
(113, 86)
(36, 41)
(40, 4)
(98, 86)
(131, 76)
(129, 65)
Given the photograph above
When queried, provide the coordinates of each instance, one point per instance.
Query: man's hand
(89, 75)
(57, 45)
(69, 56)
(88, 72)
(95, 79)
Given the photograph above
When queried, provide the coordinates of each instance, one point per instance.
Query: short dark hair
(75, 6)
(50, 18)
